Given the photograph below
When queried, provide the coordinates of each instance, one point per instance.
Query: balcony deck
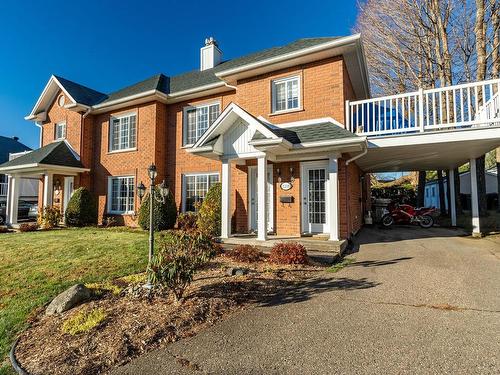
(455, 107)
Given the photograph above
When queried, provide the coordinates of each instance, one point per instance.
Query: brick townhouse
(272, 121)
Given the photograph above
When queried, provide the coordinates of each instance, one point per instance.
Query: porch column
(452, 203)
(333, 197)
(47, 189)
(226, 199)
(476, 230)
(12, 200)
(262, 197)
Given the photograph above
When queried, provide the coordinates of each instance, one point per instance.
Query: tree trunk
(458, 200)
(422, 175)
(442, 205)
(481, 186)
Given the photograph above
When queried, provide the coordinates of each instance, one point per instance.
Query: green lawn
(490, 223)
(36, 266)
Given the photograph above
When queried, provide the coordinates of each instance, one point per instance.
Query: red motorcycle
(407, 214)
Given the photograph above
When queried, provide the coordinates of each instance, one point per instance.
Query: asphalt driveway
(413, 302)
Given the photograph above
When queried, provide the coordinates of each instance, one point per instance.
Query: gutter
(357, 156)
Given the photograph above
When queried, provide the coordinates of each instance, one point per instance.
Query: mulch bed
(136, 323)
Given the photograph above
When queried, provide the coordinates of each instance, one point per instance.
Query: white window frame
(273, 94)
(63, 125)
(184, 184)
(110, 132)
(185, 119)
(110, 197)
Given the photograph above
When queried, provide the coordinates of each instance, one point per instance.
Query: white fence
(452, 107)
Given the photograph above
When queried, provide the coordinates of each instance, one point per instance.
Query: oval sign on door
(286, 186)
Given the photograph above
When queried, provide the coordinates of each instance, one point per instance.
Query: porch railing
(453, 107)
(3, 189)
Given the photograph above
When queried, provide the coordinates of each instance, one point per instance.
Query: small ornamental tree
(209, 216)
(178, 256)
(164, 214)
(82, 209)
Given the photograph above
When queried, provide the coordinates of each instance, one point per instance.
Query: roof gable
(10, 145)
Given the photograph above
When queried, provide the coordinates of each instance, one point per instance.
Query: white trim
(188, 107)
(226, 199)
(334, 142)
(109, 200)
(119, 117)
(332, 194)
(305, 224)
(69, 182)
(285, 80)
(62, 123)
(183, 184)
(313, 121)
(262, 198)
(476, 229)
(250, 193)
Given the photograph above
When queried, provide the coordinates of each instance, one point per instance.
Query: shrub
(179, 255)
(109, 221)
(288, 253)
(209, 216)
(164, 214)
(187, 221)
(82, 209)
(245, 253)
(49, 217)
(83, 321)
(28, 227)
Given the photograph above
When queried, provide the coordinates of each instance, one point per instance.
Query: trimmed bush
(209, 216)
(187, 221)
(288, 253)
(49, 217)
(28, 227)
(245, 253)
(82, 209)
(178, 256)
(164, 214)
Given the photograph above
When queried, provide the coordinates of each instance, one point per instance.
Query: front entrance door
(68, 190)
(314, 199)
(253, 200)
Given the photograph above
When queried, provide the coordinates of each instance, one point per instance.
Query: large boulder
(68, 299)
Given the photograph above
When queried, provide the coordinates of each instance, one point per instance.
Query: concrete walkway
(413, 302)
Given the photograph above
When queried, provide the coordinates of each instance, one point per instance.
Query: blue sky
(107, 45)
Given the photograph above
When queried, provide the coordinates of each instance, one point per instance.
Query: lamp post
(163, 192)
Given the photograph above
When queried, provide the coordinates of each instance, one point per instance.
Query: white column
(13, 199)
(8, 201)
(261, 199)
(476, 230)
(47, 189)
(226, 199)
(333, 197)
(452, 202)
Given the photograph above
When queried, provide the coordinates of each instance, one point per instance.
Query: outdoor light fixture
(278, 171)
(57, 187)
(141, 190)
(152, 172)
(292, 179)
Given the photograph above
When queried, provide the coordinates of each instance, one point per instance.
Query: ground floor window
(121, 194)
(195, 188)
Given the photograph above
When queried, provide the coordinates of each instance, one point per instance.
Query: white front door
(252, 197)
(314, 197)
(68, 190)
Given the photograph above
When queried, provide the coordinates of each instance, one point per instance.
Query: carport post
(476, 230)
(452, 203)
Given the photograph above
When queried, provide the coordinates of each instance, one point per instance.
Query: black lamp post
(163, 192)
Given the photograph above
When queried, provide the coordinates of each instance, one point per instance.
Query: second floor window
(122, 132)
(60, 131)
(286, 94)
(197, 120)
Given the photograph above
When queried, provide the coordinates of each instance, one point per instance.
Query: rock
(233, 271)
(68, 299)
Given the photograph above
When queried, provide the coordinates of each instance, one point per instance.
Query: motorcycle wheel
(426, 221)
(387, 220)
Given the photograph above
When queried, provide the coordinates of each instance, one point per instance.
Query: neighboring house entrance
(314, 216)
(68, 190)
(252, 196)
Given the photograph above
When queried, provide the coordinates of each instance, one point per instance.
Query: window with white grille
(195, 188)
(121, 194)
(197, 120)
(122, 134)
(286, 94)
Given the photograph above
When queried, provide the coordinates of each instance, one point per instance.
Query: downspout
(38, 123)
(357, 156)
(82, 118)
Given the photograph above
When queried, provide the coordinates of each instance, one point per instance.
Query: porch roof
(54, 155)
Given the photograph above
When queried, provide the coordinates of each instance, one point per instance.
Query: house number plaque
(286, 186)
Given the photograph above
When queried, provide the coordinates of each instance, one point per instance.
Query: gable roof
(10, 145)
(56, 154)
(81, 94)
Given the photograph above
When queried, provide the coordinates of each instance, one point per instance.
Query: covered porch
(56, 165)
(279, 181)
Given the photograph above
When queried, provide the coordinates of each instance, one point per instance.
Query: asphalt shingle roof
(10, 145)
(56, 153)
(185, 81)
(323, 131)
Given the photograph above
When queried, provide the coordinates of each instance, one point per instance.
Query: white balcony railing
(453, 107)
(3, 189)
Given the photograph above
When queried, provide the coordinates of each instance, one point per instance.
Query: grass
(490, 223)
(83, 321)
(336, 267)
(36, 266)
